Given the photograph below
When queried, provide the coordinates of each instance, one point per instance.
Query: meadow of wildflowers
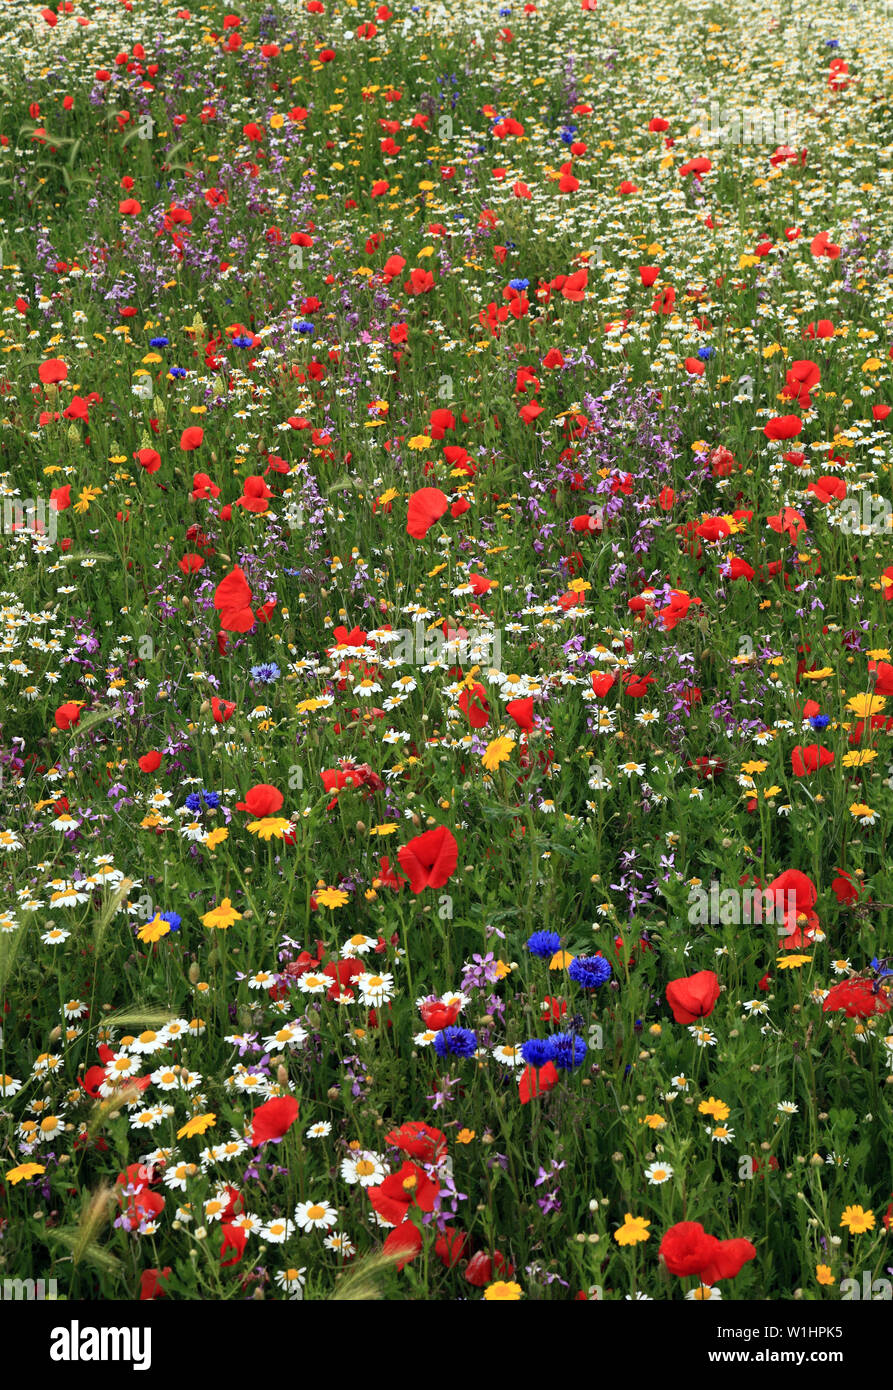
(445, 726)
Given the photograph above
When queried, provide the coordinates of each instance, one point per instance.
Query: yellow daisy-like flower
(653, 1121)
(153, 931)
(823, 1275)
(633, 1231)
(864, 706)
(222, 916)
(859, 757)
(388, 829)
(268, 827)
(332, 897)
(498, 751)
(503, 1291)
(85, 497)
(419, 441)
(822, 674)
(857, 1220)
(216, 837)
(561, 960)
(465, 1136)
(197, 1125)
(24, 1170)
(501, 969)
(717, 1108)
(792, 962)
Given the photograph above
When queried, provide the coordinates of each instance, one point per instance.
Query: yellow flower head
(331, 897)
(268, 827)
(503, 1291)
(153, 931)
(498, 751)
(633, 1230)
(24, 1171)
(864, 706)
(222, 916)
(197, 1125)
(857, 1220)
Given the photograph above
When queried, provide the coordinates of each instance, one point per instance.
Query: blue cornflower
(240, 340)
(705, 353)
(820, 721)
(832, 43)
(536, 1051)
(568, 135)
(505, 12)
(544, 943)
(194, 801)
(211, 799)
(173, 917)
(566, 1050)
(177, 371)
(266, 674)
(519, 284)
(159, 342)
(305, 327)
(590, 971)
(460, 1042)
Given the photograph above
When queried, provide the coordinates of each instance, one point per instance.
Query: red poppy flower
(274, 1119)
(783, 427)
(481, 1267)
(222, 710)
(857, 999)
(536, 1082)
(150, 762)
(191, 438)
(152, 1283)
(419, 1140)
(450, 1246)
(473, 704)
(687, 1249)
(845, 888)
(67, 715)
(790, 521)
(521, 712)
(693, 996)
(883, 677)
(410, 1187)
(430, 859)
(405, 1242)
(794, 896)
(426, 506)
(51, 371)
(437, 1016)
(809, 758)
(262, 800)
(233, 599)
(823, 328)
(234, 1238)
